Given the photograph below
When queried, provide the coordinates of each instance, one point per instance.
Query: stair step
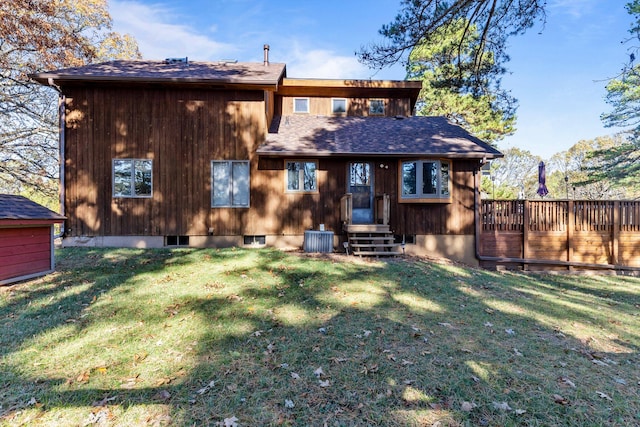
(373, 245)
(367, 228)
(376, 238)
(377, 253)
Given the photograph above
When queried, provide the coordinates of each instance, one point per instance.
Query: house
(212, 154)
(26, 239)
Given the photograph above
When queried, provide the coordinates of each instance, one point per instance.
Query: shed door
(361, 187)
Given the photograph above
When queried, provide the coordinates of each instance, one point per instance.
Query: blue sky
(557, 73)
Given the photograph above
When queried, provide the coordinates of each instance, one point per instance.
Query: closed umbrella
(542, 179)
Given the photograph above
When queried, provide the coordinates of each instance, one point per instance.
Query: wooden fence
(603, 232)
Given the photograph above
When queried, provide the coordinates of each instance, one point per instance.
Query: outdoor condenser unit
(318, 241)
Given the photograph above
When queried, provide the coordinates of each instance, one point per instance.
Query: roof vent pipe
(266, 54)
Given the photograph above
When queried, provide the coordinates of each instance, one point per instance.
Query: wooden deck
(595, 232)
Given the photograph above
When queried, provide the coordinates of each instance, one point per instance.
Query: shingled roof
(372, 136)
(222, 72)
(21, 208)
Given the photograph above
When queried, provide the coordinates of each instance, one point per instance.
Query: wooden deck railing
(587, 231)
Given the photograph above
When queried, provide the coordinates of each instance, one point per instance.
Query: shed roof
(221, 72)
(20, 208)
(372, 136)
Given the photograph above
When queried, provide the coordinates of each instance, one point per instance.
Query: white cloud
(160, 35)
(303, 62)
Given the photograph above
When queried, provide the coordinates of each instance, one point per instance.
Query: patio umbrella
(542, 179)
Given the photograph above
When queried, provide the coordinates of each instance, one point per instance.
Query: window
(300, 105)
(301, 176)
(425, 179)
(132, 178)
(338, 105)
(230, 184)
(376, 107)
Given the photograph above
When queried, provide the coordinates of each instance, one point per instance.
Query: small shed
(26, 239)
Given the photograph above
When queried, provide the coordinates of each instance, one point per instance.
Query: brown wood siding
(182, 131)
(24, 251)
(455, 217)
(355, 106)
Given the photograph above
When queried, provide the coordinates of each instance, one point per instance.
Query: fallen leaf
(445, 324)
(560, 400)
(162, 395)
(367, 333)
(488, 310)
(231, 422)
(295, 376)
(520, 411)
(324, 383)
(488, 324)
(289, 404)
(406, 362)
(510, 331)
(318, 372)
(567, 381)
(502, 406)
(603, 395)
(517, 352)
(467, 406)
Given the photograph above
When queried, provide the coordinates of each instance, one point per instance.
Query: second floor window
(338, 105)
(300, 105)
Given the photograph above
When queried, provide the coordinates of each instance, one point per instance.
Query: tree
(485, 110)
(419, 22)
(37, 35)
(513, 176)
(620, 163)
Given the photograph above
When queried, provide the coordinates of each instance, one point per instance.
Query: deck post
(615, 234)
(525, 233)
(571, 225)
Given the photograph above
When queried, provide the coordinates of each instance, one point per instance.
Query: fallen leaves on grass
(502, 406)
(206, 388)
(603, 395)
(467, 406)
(560, 400)
(566, 381)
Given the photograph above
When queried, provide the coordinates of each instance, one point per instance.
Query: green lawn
(261, 337)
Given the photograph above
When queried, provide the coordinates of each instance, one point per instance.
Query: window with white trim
(376, 107)
(425, 179)
(338, 105)
(132, 178)
(301, 176)
(300, 105)
(230, 182)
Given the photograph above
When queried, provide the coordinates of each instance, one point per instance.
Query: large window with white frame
(132, 178)
(425, 180)
(300, 105)
(230, 183)
(301, 176)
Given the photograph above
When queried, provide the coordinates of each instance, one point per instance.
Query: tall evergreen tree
(482, 107)
(621, 163)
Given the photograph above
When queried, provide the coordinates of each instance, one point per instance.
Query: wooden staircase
(371, 240)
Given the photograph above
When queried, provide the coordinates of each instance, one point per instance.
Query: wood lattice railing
(593, 231)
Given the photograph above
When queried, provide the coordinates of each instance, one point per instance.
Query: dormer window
(376, 107)
(300, 105)
(338, 105)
